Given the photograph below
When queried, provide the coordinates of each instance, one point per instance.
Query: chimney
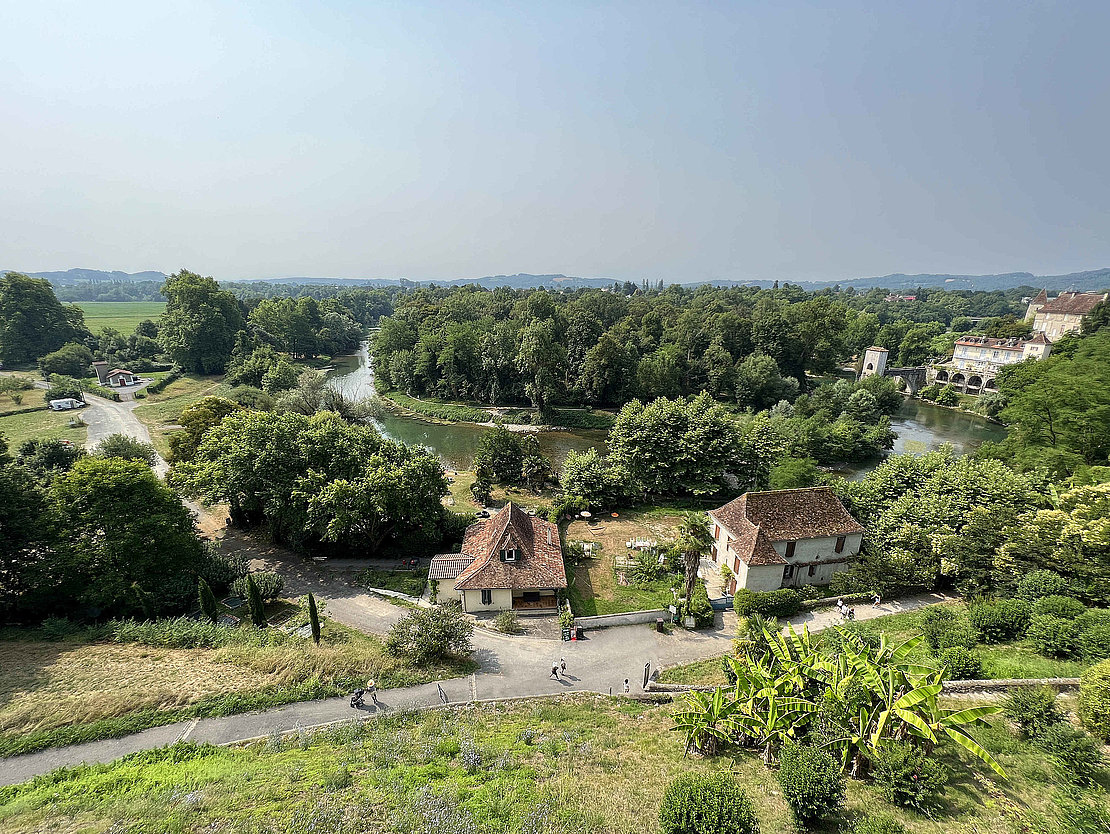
(549, 535)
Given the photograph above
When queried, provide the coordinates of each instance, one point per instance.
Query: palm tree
(694, 540)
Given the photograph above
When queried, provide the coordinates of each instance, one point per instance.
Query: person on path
(627, 688)
(442, 694)
(555, 670)
(372, 690)
(878, 599)
(563, 666)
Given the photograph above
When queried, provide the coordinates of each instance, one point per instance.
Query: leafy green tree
(199, 325)
(196, 419)
(609, 370)
(33, 322)
(500, 451)
(46, 459)
(73, 360)
(126, 448)
(120, 526)
(255, 604)
(540, 360)
(207, 600)
(428, 635)
(590, 476)
(793, 473)
(675, 447)
(280, 377)
(314, 619)
(27, 534)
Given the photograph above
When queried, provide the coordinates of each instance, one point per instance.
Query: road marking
(188, 730)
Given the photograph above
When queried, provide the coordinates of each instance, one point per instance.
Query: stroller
(356, 698)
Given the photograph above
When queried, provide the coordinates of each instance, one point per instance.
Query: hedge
(26, 410)
(785, 602)
(160, 385)
(696, 803)
(575, 419)
(440, 411)
(1094, 699)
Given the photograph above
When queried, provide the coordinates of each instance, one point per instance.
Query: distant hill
(1096, 279)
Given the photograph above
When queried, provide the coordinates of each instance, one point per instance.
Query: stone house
(1063, 314)
(509, 562)
(784, 538)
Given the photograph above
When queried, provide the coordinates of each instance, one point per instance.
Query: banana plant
(705, 719)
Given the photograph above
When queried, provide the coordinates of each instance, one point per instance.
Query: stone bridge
(914, 378)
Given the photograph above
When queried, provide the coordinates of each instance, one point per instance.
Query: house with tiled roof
(1063, 314)
(509, 562)
(784, 538)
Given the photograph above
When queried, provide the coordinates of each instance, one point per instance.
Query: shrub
(999, 620)
(877, 824)
(1054, 636)
(1055, 605)
(646, 568)
(811, 783)
(696, 803)
(699, 607)
(426, 635)
(1094, 700)
(962, 664)
(1094, 641)
(269, 584)
(907, 776)
(1033, 709)
(942, 629)
(207, 600)
(507, 623)
(1078, 757)
(220, 569)
(785, 602)
(1042, 583)
(254, 602)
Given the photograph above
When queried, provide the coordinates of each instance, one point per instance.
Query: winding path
(510, 667)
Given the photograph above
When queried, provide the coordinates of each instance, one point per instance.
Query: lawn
(161, 411)
(586, 763)
(45, 425)
(86, 686)
(411, 582)
(123, 316)
(596, 586)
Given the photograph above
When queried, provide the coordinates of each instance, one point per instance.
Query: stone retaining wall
(626, 618)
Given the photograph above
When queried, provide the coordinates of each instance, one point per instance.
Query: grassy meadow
(123, 316)
(86, 685)
(586, 763)
(161, 411)
(41, 425)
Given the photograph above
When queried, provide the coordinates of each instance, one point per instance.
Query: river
(921, 426)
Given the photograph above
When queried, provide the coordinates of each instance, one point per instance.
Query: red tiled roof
(448, 565)
(539, 563)
(120, 371)
(1074, 303)
(759, 518)
(1042, 298)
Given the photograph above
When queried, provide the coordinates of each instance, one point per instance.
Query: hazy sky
(684, 141)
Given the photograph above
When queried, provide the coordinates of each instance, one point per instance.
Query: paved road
(105, 418)
(510, 667)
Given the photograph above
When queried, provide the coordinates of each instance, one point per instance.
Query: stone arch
(990, 383)
(942, 376)
(975, 381)
(957, 379)
(901, 382)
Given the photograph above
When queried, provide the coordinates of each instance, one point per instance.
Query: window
(788, 572)
(487, 596)
(790, 549)
(509, 555)
(812, 570)
(840, 544)
(716, 531)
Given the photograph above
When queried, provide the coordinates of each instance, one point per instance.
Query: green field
(123, 316)
(585, 764)
(43, 425)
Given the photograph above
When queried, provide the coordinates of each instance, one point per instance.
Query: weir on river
(921, 426)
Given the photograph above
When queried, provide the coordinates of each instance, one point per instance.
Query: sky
(677, 141)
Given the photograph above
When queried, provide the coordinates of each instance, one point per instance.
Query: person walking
(372, 690)
(627, 688)
(555, 670)
(563, 666)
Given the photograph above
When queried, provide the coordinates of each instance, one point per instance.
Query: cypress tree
(314, 619)
(254, 600)
(207, 600)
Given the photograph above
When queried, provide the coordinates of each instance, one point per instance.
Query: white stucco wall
(759, 577)
(818, 553)
(502, 600)
(445, 590)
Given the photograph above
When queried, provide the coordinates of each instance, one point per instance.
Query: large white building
(977, 359)
(1055, 317)
(784, 538)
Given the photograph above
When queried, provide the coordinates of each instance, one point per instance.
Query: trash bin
(659, 624)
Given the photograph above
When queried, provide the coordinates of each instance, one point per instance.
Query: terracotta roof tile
(448, 565)
(758, 518)
(538, 565)
(1074, 303)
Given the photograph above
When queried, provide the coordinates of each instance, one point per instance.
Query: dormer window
(510, 554)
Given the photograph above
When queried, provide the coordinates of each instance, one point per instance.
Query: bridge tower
(874, 362)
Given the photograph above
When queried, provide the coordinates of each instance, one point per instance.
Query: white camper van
(66, 404)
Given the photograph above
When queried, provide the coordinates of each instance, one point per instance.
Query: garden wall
(626, 618)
